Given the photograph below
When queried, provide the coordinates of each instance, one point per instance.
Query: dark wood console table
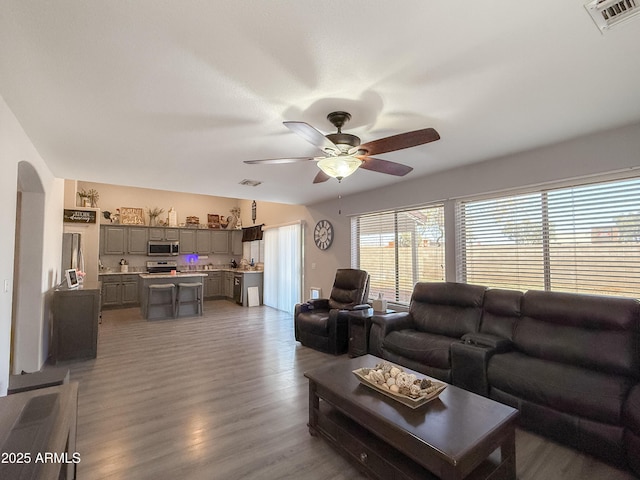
(76, 315)
(457, 435)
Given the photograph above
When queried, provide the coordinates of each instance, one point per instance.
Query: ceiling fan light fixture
(339, 167)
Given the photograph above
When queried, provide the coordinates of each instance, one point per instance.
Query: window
(398, 249)
(582, 239)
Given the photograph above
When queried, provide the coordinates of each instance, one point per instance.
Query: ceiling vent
(250, 183)
(610, 13)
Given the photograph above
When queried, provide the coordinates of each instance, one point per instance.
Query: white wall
(113, 197)
(601, 153)
(319, 266)
(15, 147)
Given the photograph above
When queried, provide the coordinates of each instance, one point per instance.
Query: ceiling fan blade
(384, 166)
(313, 136)
(280, 160)
(321, 177)
(400, 141)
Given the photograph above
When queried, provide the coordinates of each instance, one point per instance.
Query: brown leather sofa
(631, 418)
(322, 323)
(439, 315)
(569, 362)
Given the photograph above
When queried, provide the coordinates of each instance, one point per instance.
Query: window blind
(582, 239)
(398, 249)
(283, 267)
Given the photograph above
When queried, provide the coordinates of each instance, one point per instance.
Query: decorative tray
(409, 389)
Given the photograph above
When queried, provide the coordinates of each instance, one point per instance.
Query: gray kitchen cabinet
(212, 285)
(114, 240)
(228, 284)
(172, 234)
(119, 290)
(101, 245)
(219, 242)
(137, 242)
(111, 294)
(187, 241)
(203, 242)
(236, 242)
(76, 314)
(164, 234)
(156, 233)
(129, 288)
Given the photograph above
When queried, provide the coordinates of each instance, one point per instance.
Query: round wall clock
(323, 234)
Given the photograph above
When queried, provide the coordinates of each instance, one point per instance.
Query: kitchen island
(159, 311)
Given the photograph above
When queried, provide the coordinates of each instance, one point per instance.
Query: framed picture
(72, 278)
(213, 220)
(131, 216)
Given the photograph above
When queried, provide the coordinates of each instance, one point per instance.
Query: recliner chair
(323, 323)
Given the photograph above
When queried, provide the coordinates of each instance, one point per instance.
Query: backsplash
(137, 263)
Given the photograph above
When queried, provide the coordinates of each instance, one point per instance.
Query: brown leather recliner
(323, 323)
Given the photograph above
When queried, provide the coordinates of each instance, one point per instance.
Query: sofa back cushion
(450, 309)
(591, 331)
(500, 312)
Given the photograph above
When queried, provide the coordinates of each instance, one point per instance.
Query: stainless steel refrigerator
(72, 252)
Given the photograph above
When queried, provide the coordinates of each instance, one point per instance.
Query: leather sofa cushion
(500, 311)
(607, 351)
(632, 411)
(426, 348)
(565, 388)
(316, 323)
(450, 309)
(598, 312)
(596, 332)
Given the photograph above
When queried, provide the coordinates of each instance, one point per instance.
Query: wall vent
(609, 13)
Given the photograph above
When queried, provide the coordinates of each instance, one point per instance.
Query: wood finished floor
(224, 397)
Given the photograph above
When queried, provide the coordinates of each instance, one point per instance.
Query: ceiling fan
(342, 153)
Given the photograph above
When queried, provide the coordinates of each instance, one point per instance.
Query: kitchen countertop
(168, 275)
(223, 269)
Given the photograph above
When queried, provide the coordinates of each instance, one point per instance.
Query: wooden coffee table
(457, 435)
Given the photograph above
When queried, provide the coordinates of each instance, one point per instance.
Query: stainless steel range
(162, 267)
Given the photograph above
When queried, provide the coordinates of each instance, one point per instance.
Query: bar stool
(160, 289)
(192, 296)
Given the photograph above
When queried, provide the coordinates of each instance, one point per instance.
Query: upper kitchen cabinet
(164, 234)
(203, 242)
(187, 241)
(114, 239)
(236, 242)
(134, 239)
(220, 242)
(195, 241)
(120, 240)
(138, 239)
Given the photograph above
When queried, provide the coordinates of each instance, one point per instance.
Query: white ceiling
(175, 94)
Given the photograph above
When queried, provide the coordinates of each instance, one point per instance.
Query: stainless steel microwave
(159, 248)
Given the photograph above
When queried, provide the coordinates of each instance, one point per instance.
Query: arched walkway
(28, 348)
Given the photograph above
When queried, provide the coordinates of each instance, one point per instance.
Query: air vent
(610, 13)
(250, 183)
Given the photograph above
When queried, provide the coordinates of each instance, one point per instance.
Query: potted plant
(153, 215)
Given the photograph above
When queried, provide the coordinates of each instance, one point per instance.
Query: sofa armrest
(362, 306)
(318, 304)
(495, 343)
(392, 321)
(382, 325)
